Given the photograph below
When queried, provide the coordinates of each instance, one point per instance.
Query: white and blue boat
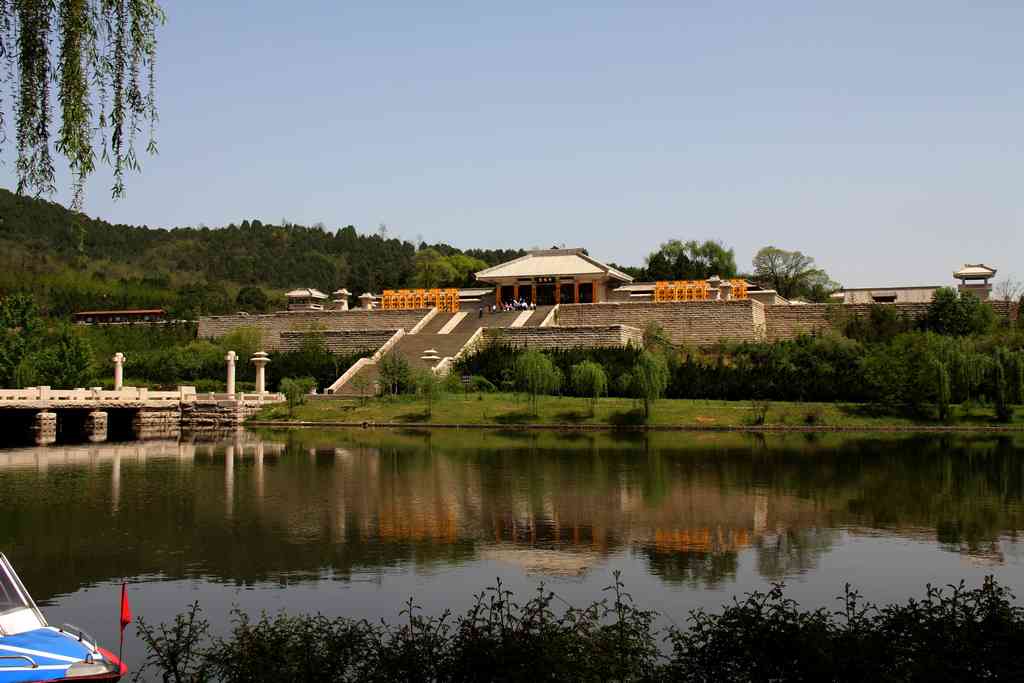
(32, 650)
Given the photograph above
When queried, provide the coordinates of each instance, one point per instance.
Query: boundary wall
(686, 322)
(340, 342)
(273, 324)
(788, 322)
(580, 336)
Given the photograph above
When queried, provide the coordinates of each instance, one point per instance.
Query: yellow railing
(446, 300)
(693, 290)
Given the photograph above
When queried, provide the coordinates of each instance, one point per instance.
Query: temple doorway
(546, 295)
(586, 292)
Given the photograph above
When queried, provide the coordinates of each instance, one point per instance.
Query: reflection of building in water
(251, 510)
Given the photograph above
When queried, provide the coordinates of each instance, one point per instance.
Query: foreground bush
(954, 634)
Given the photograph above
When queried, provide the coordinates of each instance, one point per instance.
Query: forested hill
(70, 262)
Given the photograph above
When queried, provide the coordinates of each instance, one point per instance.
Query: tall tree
(792, 274)
(692, 260)
(104, 49)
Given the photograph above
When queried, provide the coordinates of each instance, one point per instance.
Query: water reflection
(696, 509)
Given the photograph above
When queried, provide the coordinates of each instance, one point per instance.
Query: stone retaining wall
(686, 322)
(273, 324)
(563, 337)
(788, 322)
(341, 342)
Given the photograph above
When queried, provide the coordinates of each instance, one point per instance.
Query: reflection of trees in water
(692, 568)
(793, 550)
(690, 504)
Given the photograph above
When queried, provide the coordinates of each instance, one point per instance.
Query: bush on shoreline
(951, 634)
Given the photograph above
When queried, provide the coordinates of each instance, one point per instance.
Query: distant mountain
(72, 262)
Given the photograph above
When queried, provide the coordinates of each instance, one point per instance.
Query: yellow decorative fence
(693, 290)
(446, 300)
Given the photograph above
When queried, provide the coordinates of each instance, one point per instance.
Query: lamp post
(118, 359)
(260, 360)
(231, 358)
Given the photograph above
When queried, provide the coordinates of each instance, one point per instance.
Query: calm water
(353, 523)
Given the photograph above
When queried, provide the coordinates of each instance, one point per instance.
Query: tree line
(958, 353)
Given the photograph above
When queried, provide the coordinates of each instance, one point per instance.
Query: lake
(355, 522)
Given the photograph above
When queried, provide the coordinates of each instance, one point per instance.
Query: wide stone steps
(412, 347)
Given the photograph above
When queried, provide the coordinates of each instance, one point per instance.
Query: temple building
(553, 276)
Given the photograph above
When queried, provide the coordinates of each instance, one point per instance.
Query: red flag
(126, 609)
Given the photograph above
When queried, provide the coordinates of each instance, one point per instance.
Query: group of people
(506, 306)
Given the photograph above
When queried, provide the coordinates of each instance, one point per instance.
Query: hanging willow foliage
(103, 73)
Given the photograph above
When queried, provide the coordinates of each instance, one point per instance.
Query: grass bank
(512, 411)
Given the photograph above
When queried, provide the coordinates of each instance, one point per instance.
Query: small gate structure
(445, 300)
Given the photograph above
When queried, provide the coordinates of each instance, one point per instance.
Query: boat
(32, 650)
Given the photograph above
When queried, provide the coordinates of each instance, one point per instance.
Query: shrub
(951, 634)
(395, 375)
(536, 375)
(650, 379)
(296, 390)
(589, 379)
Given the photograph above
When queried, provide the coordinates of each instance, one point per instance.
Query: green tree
(395, 374)
(431, 269)
(792, 274)
(295, 391)
(959, 315)
(536, 375)
(104, 51)
(63, 363)
(430, 387)
(692, 260)
(252, 300)
(20, 333)
(942, 389)
(589, 379)
(650, 379)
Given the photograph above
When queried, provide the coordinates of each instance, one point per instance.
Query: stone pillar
(714, 291)
(118, 359)
(231, 358)
(260, 360)
(725, 290)
(95, 426)
(44, 428)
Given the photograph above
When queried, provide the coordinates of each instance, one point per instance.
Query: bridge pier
(156, 423)
(44, 428)
(94, 428)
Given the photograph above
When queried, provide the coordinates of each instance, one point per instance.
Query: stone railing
(125, 395)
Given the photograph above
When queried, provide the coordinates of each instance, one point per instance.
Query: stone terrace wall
(273, 324)
(341, 342)
(583, 336)
(686, 322)
(788, 322)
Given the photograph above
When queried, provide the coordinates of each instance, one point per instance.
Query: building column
(44, 428)
(533, 293)
(497, 296)
(260, 360)
(118, 359)
(575, 291)
(95, 426)
(231, 358)
(515, 293)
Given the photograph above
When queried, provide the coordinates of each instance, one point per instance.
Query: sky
(881, 138)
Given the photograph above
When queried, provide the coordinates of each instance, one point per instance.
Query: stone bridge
(43, 414)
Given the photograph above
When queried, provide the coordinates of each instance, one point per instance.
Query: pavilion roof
(552, 262)
(306, 293)
(974, 271)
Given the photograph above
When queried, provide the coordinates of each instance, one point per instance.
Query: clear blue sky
(882, 138)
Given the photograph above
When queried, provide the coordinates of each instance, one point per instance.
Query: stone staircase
(412, 347)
